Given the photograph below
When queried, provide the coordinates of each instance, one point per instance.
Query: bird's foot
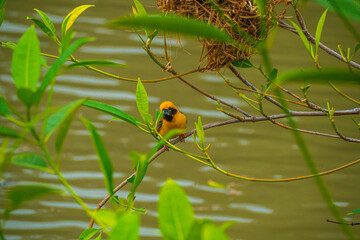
(166, 148)
(182, 137)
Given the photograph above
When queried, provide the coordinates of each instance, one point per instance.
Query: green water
(293, 210)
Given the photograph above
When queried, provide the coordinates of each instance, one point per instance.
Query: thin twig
(351, 224)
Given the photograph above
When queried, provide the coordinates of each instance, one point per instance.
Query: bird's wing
(159, 125)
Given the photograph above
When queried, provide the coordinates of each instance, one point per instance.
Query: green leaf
(243, 63)
(26, 96)
(51, 73)
(174, 24)
(95, 63)
(49, 25)
(64, 125)
(131, 180)
(25, 66)
(20, 194)
(2, 3)
(66, 41)
(140, 8)
(105, 162)
(2, 11)
(331, 74)
(127, 227)
(71, 17)
(303, 38)
(273, 74)
(319, 29)
(99, 236)
(355, 211)
(140, 164)
(262, 4)
(357, 47)
(212, 232)
(349, 7)
(58, 117)
(2, 15)
(200, 131)
(105, 108)
(142, 102)
(196, 229)
(8, 132)
(223, 227)
(214, 184)
(176, 215)
(88, 233)
(106, 217)
(43, 27)
(4, 110)
(31, 160)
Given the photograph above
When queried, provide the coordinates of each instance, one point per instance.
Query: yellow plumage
(171, 119)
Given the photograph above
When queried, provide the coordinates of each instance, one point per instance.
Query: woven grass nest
(240, 12)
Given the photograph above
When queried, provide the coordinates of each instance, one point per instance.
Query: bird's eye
(173, 111)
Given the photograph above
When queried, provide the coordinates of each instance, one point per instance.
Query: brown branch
(241, 78)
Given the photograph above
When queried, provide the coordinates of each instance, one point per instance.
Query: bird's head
(169, 110)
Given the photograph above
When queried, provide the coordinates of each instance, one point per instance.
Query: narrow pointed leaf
(140, 8)
(48, 23)
(2, 15)
(200, 131)
(176, 215)
(174, 24)
(105, 162)
(319, 29)
(31, 160)
(58, 117)
(273, 74)
(4, 110)
(44, 28)
(64, 125)
(96, 63)
(142, 102)
(72, 16)
(27, 96)
(140, 165)
(302, 37)
(355, 211)
(2, 3)
(87, 234)
(212, 232)
(106, 217)
(20, 194)
(127, 227)
(9, 132)
(51, 73)
(25, 66)
(244, 63)
(112, 111)
(2, 11)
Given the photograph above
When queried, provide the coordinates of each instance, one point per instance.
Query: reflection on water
(252, 149)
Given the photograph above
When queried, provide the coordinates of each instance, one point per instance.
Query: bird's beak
(166, 112)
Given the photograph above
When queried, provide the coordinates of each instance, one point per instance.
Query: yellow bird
(171, 119)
